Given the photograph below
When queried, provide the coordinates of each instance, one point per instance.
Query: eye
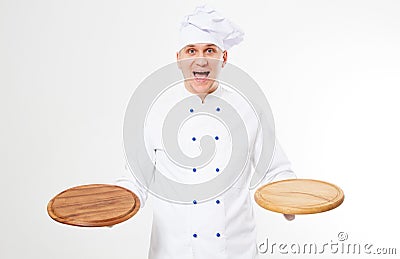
(210, 50)
(191, 51)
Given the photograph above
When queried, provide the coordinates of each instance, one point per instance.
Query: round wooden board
(93, 205)
(299, 196)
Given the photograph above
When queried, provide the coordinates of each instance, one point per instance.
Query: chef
(224, 226)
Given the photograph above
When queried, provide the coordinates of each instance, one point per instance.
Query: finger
(289, 217)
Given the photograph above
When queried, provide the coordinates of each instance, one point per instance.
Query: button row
(217, 202)
(195, 235)
(217, 109)
(216, 138)
(195, 170)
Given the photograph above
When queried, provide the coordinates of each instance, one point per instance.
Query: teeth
(201, 74)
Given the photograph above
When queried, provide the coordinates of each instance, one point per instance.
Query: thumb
(289, 217)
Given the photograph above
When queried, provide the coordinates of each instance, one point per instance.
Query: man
(223, 227)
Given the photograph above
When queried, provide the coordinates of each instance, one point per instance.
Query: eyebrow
(207, 45)
(193, 45)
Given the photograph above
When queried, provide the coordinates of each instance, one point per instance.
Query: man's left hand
(289, 217)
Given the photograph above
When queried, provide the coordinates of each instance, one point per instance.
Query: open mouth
(201, 74)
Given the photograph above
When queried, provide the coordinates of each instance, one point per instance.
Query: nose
(200, 60)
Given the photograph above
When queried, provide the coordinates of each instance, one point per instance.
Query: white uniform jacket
(224, 227)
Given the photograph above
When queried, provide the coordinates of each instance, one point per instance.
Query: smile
(201, 74)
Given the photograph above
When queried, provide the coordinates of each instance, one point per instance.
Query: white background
(330, 70)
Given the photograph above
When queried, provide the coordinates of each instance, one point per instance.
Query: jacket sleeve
(128, 181)
(280, 167)
(151, 137)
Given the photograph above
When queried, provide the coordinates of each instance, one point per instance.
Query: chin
(201, 88)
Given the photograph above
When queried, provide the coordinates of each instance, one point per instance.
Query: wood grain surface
(93, 205)
(299, 196)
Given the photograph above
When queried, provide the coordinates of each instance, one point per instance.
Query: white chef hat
(205, 25)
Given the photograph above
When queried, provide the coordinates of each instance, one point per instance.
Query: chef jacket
(223, 227)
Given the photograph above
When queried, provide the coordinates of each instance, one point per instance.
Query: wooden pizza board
(93, 205)
(299, 196)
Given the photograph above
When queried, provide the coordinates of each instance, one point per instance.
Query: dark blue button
(194, 139)
(194, 202)
(191, 110)
(216, 137)
(218, 235)
(218, 109)
(194, 235)
(194, 170)
(217, 201)
(217, 169)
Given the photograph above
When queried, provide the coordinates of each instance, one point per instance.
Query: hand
(289, 217)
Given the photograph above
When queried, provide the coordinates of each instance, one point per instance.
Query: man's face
(200, 64)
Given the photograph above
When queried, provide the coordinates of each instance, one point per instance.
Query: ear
(224, 57)
(178, 60)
